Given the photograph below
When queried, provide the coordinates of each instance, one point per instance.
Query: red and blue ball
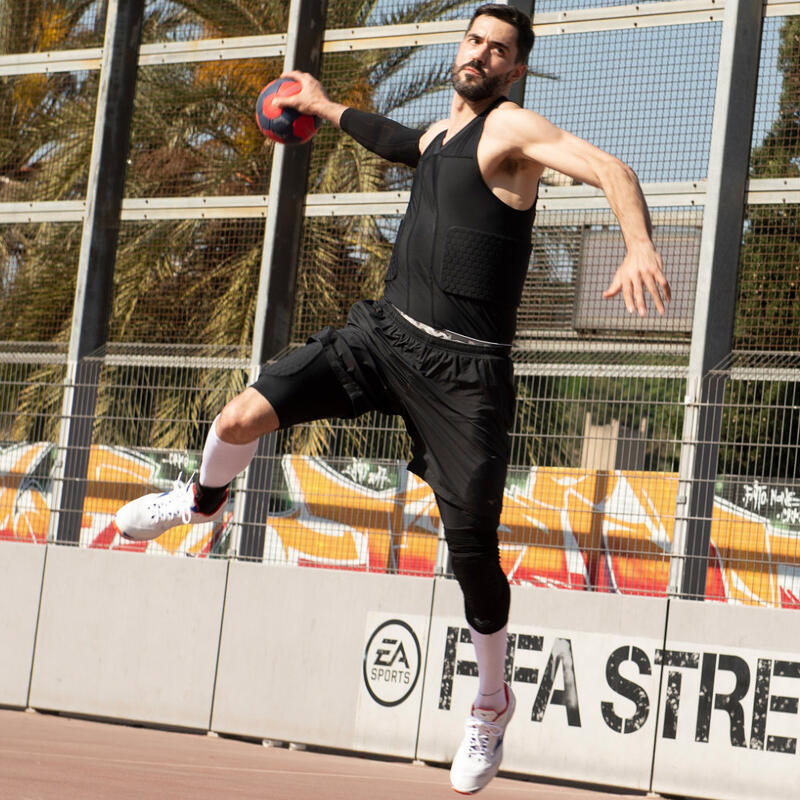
(284, 125)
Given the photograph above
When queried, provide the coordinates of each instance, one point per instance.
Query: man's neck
(463, 111)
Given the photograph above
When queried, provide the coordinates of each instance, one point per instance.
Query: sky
(646, 95)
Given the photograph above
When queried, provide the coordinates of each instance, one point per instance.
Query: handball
(284, 125)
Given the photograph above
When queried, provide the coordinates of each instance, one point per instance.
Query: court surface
(48, 757)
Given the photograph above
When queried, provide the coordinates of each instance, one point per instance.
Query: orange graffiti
(608, 531)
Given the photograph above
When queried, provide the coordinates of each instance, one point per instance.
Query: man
(435, 349)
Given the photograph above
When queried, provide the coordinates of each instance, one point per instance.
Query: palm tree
(200, 283)
(46, 123)
(45, 138)
(193, 134)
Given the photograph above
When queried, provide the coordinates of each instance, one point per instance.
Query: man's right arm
(382, 136)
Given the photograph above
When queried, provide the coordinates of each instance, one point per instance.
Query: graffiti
(363, 472)
(114, 476)
(783, 503)
(576, 529)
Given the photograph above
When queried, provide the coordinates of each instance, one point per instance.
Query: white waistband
(443, 333)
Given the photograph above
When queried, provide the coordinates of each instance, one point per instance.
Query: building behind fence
(651, 455)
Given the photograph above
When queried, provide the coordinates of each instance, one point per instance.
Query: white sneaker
(481, 751)
(149, 516)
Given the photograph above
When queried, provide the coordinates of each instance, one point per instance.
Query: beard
(475, 88)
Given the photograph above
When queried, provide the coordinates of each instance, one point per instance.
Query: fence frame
(720, 200)
(715, 297)
(94, 283)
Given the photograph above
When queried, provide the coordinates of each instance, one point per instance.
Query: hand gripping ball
(284, 125)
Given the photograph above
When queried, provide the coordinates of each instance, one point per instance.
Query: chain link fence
(594, 490)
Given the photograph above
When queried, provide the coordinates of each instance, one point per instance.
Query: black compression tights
(476, 565)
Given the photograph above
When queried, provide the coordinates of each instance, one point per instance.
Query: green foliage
(768, 311)
(760, 419)
(761, 426)
(551, 415)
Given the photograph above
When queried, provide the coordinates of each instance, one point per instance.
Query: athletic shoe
(149, 516)
(481, 751)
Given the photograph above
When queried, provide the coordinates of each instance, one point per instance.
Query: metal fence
(650, 456)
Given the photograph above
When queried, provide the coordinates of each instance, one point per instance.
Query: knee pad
(476, 564)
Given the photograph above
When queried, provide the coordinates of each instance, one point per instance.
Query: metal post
(517, 91)
(94, 284)
(715, 302)
(278, 277)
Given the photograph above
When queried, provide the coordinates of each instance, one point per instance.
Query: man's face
(485, 61)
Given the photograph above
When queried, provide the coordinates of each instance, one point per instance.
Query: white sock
(490, 653)
(223, 461)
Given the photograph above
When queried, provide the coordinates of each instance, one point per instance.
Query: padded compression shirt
(461, 255)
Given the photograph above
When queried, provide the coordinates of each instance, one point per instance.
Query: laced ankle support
(209, 498)
(177, 502)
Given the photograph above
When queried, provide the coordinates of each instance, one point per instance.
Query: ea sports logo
(391, 663)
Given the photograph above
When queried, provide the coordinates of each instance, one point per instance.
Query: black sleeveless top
(461, 254)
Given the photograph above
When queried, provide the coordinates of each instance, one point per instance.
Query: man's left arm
(533, 137)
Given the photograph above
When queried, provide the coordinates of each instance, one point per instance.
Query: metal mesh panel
(644, 95)
(640, 94)
(177, 389)
(30, 399)
(777, 83)
(552, 6)
(46, 124)
(27, 27)
(342, 260)
(756, 529)
(339, 496)
(395, 12)
(28, 404)
(573, 261)
(153, 408)
(38, 264)
(166, 20)
(767, 314)
(556, 392)
(369, 79)
(194, 130)
(589, 501)
(187, 281)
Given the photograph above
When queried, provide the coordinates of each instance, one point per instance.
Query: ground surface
(48, 757)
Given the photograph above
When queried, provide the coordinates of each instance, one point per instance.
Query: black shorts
(457, 401)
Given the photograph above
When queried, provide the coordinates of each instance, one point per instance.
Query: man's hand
(311, 99)
(640, 270)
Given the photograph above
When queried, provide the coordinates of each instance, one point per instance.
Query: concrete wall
(21, 567)
(292, 657)
(570, 719)
(679, 697)
(128, 637)
(734, 677)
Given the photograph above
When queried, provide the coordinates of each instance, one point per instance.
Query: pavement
(53, 757)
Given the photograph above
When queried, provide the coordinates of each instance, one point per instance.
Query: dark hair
(513, 16)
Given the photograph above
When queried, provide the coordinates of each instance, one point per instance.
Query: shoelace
(168, 506)
(481, 734)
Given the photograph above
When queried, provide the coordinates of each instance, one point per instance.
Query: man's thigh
(461, 442)
(303, 386)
